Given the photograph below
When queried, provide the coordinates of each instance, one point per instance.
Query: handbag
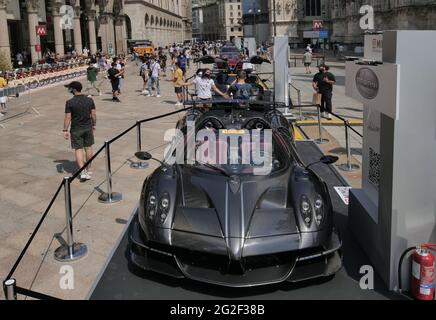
(316, 100)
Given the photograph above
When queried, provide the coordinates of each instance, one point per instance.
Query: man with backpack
(153, 73)
(240, 89)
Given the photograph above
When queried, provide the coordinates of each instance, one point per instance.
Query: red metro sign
(317, 24)
(41, 30)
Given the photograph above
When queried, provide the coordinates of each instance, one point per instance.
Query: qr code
(374, 167)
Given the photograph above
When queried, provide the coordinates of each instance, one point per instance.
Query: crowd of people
(80, 117)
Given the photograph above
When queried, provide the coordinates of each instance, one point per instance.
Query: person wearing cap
(114, 76)
(323, 83)
(79, 126)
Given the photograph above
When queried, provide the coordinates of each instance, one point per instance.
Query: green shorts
(82, 138)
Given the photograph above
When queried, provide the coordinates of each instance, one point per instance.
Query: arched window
(147, 19)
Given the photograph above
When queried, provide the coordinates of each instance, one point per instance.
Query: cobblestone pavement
(35, 158)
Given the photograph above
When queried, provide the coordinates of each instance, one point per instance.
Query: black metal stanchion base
(62, 253)
(348, 168)
(321, 141)
(112, 198)
(139, 165)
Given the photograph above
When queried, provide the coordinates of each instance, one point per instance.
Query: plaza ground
(35, 158)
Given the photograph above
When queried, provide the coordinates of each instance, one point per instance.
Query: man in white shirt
(154, 78)
(204, 87)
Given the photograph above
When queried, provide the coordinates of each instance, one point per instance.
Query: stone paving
(35, 158)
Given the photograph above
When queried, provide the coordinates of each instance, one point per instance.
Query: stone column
(32, 16)
(58, 33)
(92, 32)
(107, 32)
(120, 32)
(77, 31)
(4, 35)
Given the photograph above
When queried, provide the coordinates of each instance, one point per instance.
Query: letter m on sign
(317, 24)
(41, 30)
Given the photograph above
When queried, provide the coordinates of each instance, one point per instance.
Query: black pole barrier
(320, 140)
(138, 164)
(9, 289)
(109, 197)
(70, 251)
(348, 166)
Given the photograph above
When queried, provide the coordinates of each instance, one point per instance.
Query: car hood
(239, 207)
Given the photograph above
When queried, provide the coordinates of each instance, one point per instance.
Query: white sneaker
(158, 96)
(144, 91)
(85, 175)
(148, 95)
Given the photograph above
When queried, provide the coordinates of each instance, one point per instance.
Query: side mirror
(328, 159)
(143, 155)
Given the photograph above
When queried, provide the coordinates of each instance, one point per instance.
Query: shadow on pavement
(66, 166)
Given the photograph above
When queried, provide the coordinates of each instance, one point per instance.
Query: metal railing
(71, 250)
(299, 57)
(301, 117)
(320, 139)
(347, 166)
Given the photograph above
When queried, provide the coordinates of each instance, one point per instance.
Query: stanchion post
(349, 167)
(139, 164)
(69, 251)
(320, 140)
(9, 289)
(109, 196)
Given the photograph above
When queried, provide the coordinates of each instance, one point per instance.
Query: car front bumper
(260, 270)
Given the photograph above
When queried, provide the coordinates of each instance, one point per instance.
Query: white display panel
(374, 86)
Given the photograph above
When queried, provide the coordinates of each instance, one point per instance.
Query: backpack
(182, 61)
(242, 91)
(141, 70)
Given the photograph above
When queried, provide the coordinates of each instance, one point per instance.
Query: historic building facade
(341, 18)
(161, 21)
(62, 26)
(217, 20)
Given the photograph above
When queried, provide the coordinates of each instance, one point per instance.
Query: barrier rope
(34, 294)
(20, 257)
(47, 210)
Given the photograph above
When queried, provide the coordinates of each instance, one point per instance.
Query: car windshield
(229, 50)
(241, 152)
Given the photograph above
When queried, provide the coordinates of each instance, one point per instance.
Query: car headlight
(319, 210)
(164, 206)
(306, 210)
(151, 205)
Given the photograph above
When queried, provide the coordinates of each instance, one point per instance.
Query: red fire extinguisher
(422, 286)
